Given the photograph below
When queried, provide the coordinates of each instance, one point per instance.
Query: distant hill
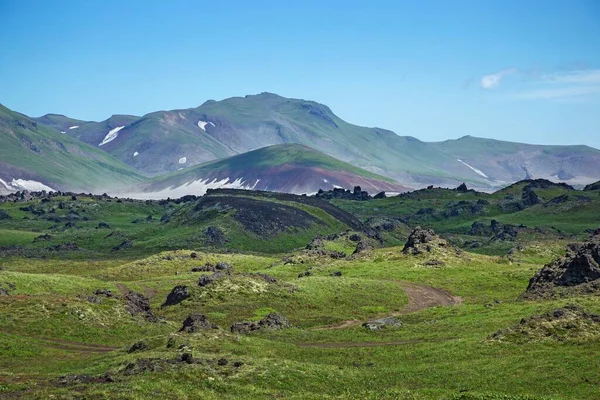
(290, 168)
(35, 157)
(505, 162)
(166, 141)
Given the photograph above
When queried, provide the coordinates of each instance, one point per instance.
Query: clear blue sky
(514, 70)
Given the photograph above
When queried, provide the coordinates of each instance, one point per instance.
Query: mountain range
(218, 143)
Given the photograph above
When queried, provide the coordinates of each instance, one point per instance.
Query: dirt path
(62, 344)
(420, 297)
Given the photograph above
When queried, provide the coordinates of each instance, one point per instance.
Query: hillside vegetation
(253, 294)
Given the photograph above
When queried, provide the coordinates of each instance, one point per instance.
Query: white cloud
(492, 81)
(559, 93)
(590, 76)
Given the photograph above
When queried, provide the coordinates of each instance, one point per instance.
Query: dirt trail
(420, 297)
(62, 344)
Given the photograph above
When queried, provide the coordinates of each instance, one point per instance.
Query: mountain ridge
(164, 141)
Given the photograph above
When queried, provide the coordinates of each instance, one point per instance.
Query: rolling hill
(166, 141)
(290, 168)
(35, 157)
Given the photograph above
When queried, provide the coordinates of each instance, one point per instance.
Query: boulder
(177, 295)
(137, 303)
(578, 272)
(196, 323)
(378, 324)
(568, 323)
(423, 240)
(273, 321)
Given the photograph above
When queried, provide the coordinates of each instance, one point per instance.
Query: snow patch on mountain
(63, 132)
(477, 171)
(202, 124)
(23, 184)
(136, 154)
(182, 160)
(74, 127)
(197, 188)
(111, 135)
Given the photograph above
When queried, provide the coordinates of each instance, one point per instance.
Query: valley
(254, 294)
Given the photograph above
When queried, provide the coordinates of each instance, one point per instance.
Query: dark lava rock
(210, 279)
(529, 197)
(578, 272)
(336, 255)
(423, 240)
(336, 273)
(316, 244)
(214, 236)
(136, 303)
(177, 295)
(197, 323)
(67, 380)
(339, 193)
(193, 255)
(138, 346)
(304, 274)
(104, 293)
(504, 232)
(263, 218)
(103, 225)
(479, 229)
(362, 246)
(222, 361)
(223, 266)
(462, 188)
(563, 198)
(378, 324)
(208, 267)
(123, 245)
(380, 195)
(355, 237)
(510, 205)
(569, 323)
(272, 321)
(42, 238)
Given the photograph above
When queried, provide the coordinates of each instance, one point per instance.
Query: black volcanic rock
(578, 272)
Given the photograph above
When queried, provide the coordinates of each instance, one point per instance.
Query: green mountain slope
(290, 168)
(506, 162)
(166, 141)
(34, 156)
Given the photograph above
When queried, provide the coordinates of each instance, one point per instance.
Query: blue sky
(524, 71)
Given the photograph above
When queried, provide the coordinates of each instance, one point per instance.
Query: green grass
(47, 322)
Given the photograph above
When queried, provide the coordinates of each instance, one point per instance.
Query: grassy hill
(31, 151)
(290, 168)
(67, 327)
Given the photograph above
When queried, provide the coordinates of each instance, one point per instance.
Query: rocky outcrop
(136, 303)
(214, 236)
(272, 321)
(569, 323)
(578, 272)
(177, 295)
(378, 324)
(339, 193)
(196, 323)
(423, 240)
